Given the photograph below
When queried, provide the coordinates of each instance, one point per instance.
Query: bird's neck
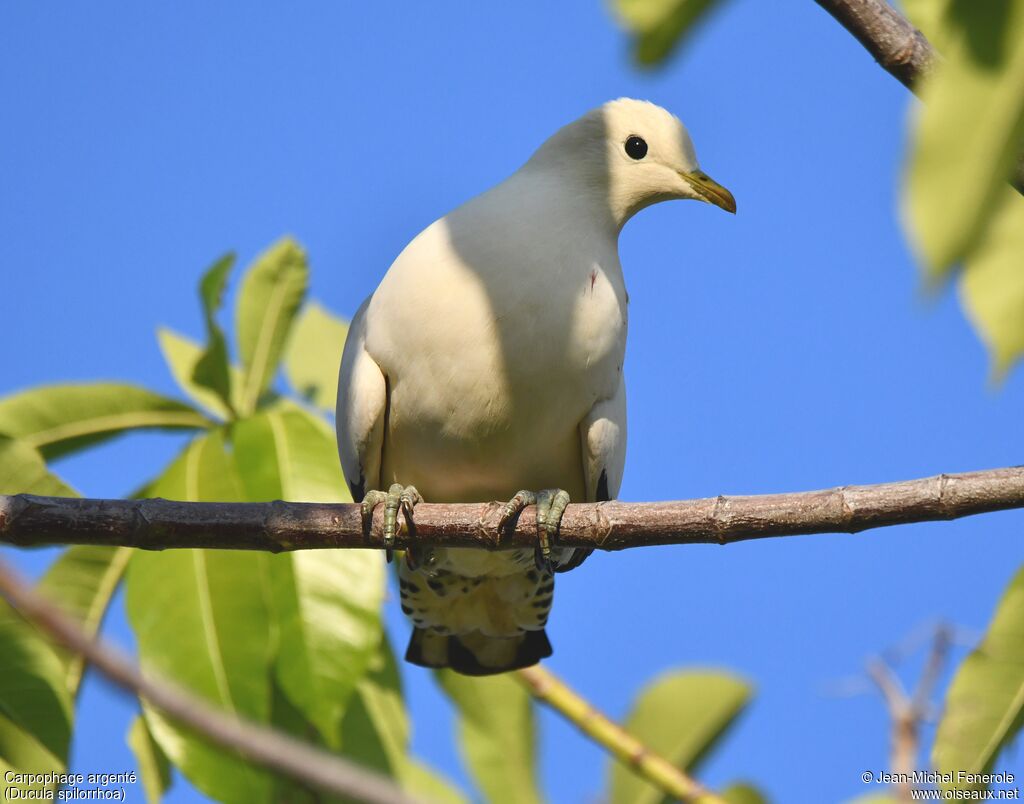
(571, 194)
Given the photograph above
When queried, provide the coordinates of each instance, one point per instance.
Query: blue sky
(787, 348)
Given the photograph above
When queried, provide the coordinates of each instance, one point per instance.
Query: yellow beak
(710, 190)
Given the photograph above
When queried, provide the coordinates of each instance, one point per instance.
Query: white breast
(503, 328)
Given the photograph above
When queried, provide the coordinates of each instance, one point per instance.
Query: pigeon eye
(636, 147)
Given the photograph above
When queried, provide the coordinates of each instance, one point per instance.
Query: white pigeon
(488, 362)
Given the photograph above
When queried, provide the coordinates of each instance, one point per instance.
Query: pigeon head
(636, 154)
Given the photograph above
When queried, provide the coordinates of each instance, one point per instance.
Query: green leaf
(285, 453)
(681, 715)
(968, 132)
(21, 752)
(23, 471)
(181, 355)
(984, 707)
(201, 618)
(154, 769)
(496, 735)
(327, 603)
(286, 718)
(82, 581)
(375, 730)
(328, 610)
(271, 293)
(35, 708)
(314, 355)
(213, 369)
(743, 793)
(38, 681)
(660, 26)
(426, 783)
(992, 284)
(58, 419)
(375, 733)
(927, 16)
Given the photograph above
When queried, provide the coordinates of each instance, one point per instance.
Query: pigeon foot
(551, 504)
(396, 497)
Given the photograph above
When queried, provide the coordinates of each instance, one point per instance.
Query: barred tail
(474, 654)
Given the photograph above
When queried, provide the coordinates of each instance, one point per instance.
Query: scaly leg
(551, 504)
(398, 496)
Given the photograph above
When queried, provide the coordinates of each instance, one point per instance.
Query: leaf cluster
(294, 641)
(965, 220)
(961, 214)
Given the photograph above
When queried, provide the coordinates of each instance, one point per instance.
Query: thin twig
(898, 47)
(908, 711)
(889, 684)
(258, 744)
(548, 688)
(905, 738)
(922, 700)
(27, 520)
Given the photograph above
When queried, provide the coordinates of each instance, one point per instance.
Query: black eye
(636, 147)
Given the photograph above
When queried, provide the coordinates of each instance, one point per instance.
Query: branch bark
(898, 47)
(27, 520)
(257, 743)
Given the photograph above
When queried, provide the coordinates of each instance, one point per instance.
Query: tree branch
(546, 687)
(257, 743)
(900, 49)
(28, 520)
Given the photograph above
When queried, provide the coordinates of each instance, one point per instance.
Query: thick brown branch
(897, 46)
(28, 520)
(901, 49)
(257, 743)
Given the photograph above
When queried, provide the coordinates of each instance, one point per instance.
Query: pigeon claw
(551, 504)
(395, 498)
